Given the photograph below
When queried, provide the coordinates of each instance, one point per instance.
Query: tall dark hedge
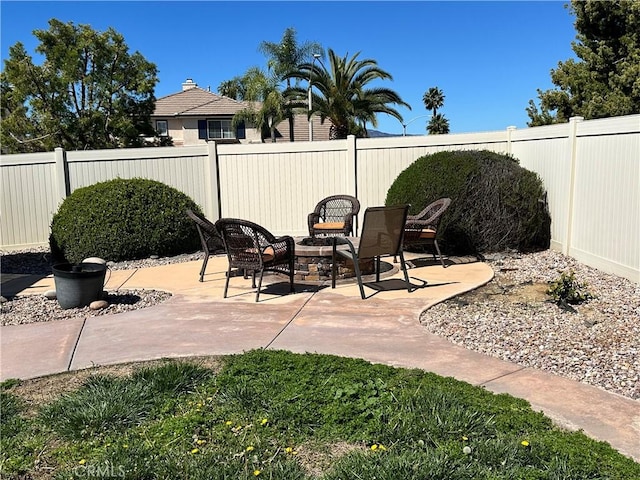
(496, 204)
(123, 219)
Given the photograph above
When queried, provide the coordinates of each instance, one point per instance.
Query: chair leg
(435, 243)
(377, 269)
(333, 267)
(204, 266)
(356, 267)
(259, 284)
(404, 270)
(226, 283)
(292, 269)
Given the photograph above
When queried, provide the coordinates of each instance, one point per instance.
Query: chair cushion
(329, 226)
(428, 233)
(267, 255)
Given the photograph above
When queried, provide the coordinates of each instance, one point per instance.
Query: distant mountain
(377, 134)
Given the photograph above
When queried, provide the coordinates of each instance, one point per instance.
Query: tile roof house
(194, 116)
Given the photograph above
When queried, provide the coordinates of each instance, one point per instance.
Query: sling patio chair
(333, 216)
(251, 248)
(209, 237)
(382, 231)
(421, 229)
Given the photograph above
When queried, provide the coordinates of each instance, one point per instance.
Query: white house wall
(184, 132)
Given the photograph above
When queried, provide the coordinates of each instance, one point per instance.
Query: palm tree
(285, 56)
(433, 99)
(438, 125)
(267, 105)
(232, 88)
(342, 94)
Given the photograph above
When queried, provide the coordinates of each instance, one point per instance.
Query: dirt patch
(41, 391)
(498, 289)
(316, 459)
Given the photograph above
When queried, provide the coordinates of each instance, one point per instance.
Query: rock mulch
(23, 309)
(514, 319)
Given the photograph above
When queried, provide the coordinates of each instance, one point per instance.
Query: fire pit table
(313, 261)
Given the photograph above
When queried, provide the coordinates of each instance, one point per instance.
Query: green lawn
(278, 415)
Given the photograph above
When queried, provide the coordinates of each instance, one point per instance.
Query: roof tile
(196, 102)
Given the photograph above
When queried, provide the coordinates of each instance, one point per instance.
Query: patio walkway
(384, 328)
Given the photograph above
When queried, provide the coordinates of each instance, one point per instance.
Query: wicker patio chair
(382, 231)
(421, 229)
(334, 216)
(209, 237)
(251, 248)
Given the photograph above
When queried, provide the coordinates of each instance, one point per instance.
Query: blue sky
(489, 58)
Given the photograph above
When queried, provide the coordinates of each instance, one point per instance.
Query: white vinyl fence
(590, 169)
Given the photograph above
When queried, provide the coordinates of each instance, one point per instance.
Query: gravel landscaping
(23, 309)
(513, 318)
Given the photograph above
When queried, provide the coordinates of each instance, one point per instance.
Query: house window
(162, 128)
(220, 129)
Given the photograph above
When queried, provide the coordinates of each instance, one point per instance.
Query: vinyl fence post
(510, 131)
(63, 185)
(212, 182)
(352, 159)
(573, 145)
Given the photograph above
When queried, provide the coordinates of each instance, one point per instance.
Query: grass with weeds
(279, 415)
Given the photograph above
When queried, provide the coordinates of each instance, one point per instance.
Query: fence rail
(590, 169)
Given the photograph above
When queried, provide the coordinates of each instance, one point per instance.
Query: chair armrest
(413, 230)
(281, 247)
(415, 224)
(288, 239)
(285, 242)
(312, 218)
(340, 241)
(343, 241)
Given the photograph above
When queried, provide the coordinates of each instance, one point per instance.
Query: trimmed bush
(495, 203)
(123, 219)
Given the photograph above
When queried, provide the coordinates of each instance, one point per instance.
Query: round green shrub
(495, 203)
(123, 219)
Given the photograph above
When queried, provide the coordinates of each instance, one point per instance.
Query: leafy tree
(605, 80)
(343, 95)
(438, 125)
(89, 92)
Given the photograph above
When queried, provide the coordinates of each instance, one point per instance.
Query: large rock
(94, 260)
(50, 295)
(98, 305)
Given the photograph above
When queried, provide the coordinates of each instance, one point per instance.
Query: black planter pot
(78, 285)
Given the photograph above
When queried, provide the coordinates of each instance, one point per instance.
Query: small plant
(567, 290)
